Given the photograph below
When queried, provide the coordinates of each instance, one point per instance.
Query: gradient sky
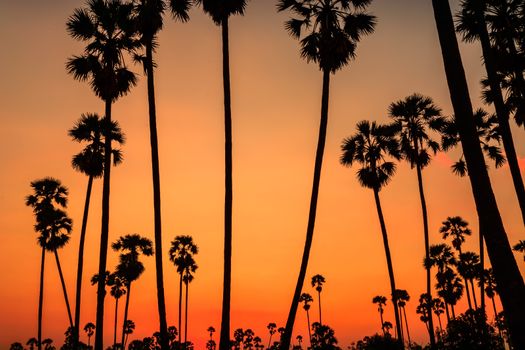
(276, 104)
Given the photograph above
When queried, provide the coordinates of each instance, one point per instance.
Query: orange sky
(276, 104)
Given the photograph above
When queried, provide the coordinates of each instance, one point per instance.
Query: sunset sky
(276, 105)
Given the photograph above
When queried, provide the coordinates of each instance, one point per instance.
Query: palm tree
(490, 287)
(108, 30)
(381, 303)
(328, 32)
(90, 128)
(506, 270)
(402, 298)
(307, 299)
(129, 327)
(369, 147)
(188, 275)
(181, 252)
(317, 282)
(443, 258)
(32, 342)
(438, 306)
(89, 328)
(520, 247)
(413, 118)
(271, 329)
(118, 290)
(220, 12)
(299, 340)
(449, 288)
(469, 269)
(54, 228)
(130, 267)
(211, 330)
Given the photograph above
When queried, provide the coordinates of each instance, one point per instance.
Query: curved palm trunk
(320, 316)
(186, 319)
(64, 289)
(104, 234)
(224, 342)
(406, 324)
(115, 326)
(287, 336)
(427, 253)
(505, 268)
(389, 263)
(180, 308)
(80, 266)
(125, 314)
(309, 328)
(41, 299)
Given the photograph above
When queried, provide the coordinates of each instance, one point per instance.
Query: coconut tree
(381, 303)
(90, 129)
(89, 328)
(317, 283)
(306, 299)
(53, 227)
(130, 267)
(369, 147)
(413, 118)
(188, 275)
(402, 298)
(328, 32)
(505, 268)
(181, 252)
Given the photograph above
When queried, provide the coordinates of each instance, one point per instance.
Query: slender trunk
(64, 289)
(180, 308)
(401, 321)
(505, 268)
(224, 342)
(270, 340)
(427, 253)
(502, 111)
(446, 309)
(125, 314)
(104, 234)
(482, 272)
(41, 299)
(473, 293)
(467, 289)
(286, 339)
(406, 324)
(440, 326)
(309, 328)
(115, 326)
(80, 266)
(494, 307)
(453, 311)
(382, 322)
(186, 318)
(320, 317)
(389, 263)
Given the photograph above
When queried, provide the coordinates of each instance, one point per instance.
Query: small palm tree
(306, 299)
(450, 289)
(317, 283)
(181, 252)
(299, 340)
(469, 269)
(130, 267)
(90, 128)
(89, 328)
(188, 275)
(438, 307)
(32, 342)
(272, 328)
(381, 303)
(490, 287)
(402, 298)
(129, 328)
(369, 147)
(16, 346)
(211, 330)
(328, 32)
(117, 290)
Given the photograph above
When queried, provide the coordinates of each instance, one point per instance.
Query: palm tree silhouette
(220, 12)
(469, 269)
(89, 328)
(299, 340)
(520, 247)
(328, 32)
(307, 299)
(188, 275)
(32, 342)
(211, 330)
(181, 253)
(129, 328)
(506, 270)
(90, 128)
(317, 283)
(402, 298)
(369, 147)
(438, 307)
(381, 303)
(271, 329)
(117, 290)
(54, 227)
(490, 287)
(413, 118)
(108, 30)
(130, 267)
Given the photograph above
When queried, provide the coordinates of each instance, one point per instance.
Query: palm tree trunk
(80, 266)
(389, 263)
(401, 321)
(287, 336)
(115, 326)
(41, 298)
(427, 252)
(446, 310)
(309, 328)
(440, 326)
(186, 319)
(180, 308)
(320, 317)
(382, 323)
(161, 304)
(453, 311)
(406, 324)
(104, 234)
(224, 342)
(473, 293)
(64, 289)
(270, 340)
(494, 307)
(125, 314)
(505, 268)
(468, 293)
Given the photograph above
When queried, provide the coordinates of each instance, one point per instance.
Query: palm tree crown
(317, 282)
(457, 229)
(129, 267)
(220, 10)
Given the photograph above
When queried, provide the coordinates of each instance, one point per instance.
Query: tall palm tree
(369, 147)
(306, 299)
(317, 283)
(329, 31)
(181, 253)
(130, 267)
(469, 269)
(220, 12)
(381, 303)
(107, 28)
(505, 268)
(89, 328)
(402, 298)
(438, 306)
(188, 275)
(490, 287)
(90, 128)
(414, 117)
(54, 228)
(117, 291)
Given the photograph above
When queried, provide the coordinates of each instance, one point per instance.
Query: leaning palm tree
(506, 270)
(414, 117)
(90, 128)
(54, 227)
(306, 299)
(181, 252)
(317, 282)
(188, 275)
(130, 267)
(220, 12)
(107, 28)
(369, 147)
(328, 32)
(381, 303)
(89, 328)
